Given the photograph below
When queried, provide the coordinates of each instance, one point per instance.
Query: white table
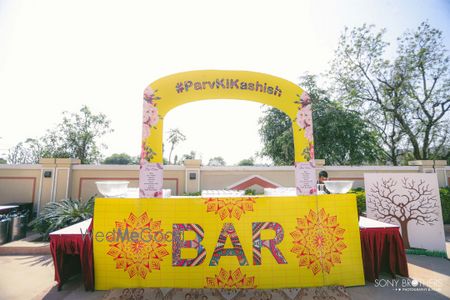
(370, 223)
(79, 228)
(7, 207)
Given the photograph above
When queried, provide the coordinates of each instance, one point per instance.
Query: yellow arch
(171, 91)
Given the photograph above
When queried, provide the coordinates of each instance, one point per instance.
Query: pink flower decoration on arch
(151, 116)
(309, 133)
(311, 151)
(149, 94)
(145, 131)
(304, 117)
(306, 100)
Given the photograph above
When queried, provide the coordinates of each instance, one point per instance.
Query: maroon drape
(71, 253)
(383, 251)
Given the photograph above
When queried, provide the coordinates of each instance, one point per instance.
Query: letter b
(178, 243)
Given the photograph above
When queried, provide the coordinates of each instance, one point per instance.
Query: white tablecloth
(78, 228)
(370, 223)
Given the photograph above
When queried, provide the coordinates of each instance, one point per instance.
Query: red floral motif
(231, 279)
(229, 207)
(318, 241)
(138, 255)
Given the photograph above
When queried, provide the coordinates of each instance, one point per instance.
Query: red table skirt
(382, 251)
(72, 253)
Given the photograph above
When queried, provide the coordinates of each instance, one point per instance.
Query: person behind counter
(323, 176)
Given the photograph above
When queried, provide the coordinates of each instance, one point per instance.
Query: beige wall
(213, 178)
(27, 183)
(20, 184)
(84, 178)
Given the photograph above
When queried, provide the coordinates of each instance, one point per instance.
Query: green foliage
(445, 203)
(247, 162)
(3, 161)
(120, 159)
(250, 192)
(57, 215)
(175, 137)
(404, 100)
(360, 199)
(216, 161)
(77, 136)
(341, 137)
(27, 152)
(191, 155)
(193, 194)
(276, 135)
(434, 253)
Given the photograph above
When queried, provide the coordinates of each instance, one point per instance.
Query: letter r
(257, 227)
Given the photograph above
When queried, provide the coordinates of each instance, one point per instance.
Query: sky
(57, 55)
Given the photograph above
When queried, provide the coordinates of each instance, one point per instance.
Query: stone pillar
(320, 163)
(440, 169)
(55, 179)
(63, 177)
(433, 166)
(47, 182)
(192, 179)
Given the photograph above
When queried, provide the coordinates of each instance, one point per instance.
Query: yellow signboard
(245, 242)
(169, 92)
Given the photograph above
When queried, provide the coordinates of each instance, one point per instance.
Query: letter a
(228, 231)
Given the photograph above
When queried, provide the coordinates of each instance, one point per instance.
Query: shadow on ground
(42, 260)
(437, 264)
(73, 289)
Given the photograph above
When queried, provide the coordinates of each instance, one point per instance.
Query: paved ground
(429, 279)
(31, 277)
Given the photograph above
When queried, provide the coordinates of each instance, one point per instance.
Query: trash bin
(4, 229)
(18, 225)
(22, 207)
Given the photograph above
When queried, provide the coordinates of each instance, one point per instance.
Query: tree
(120, 159)
(3, 161)
(415, 204)
(77, 136)
(27, 152)
(405, 100)
(175, 137)
(276, 135)
(247, 162)
(216, 161)
(191, 155)
(425, 60)
(340, 136)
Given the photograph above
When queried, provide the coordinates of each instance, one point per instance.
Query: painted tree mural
(403, 202)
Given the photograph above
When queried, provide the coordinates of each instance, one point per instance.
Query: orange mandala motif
(135, 245)
(231, 279)
(318, 241)
(229, 207)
